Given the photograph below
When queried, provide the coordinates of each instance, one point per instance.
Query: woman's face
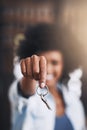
(54, 66)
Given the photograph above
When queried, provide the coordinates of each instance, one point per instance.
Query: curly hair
(45, 37)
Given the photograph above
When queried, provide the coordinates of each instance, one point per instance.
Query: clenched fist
(33, 68)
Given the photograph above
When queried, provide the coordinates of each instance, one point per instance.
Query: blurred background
(16, 16)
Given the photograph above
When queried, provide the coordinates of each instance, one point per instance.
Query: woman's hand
(33, 68)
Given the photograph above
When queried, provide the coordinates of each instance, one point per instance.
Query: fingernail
(42, 85)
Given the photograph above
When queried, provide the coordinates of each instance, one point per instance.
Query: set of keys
(43, 94)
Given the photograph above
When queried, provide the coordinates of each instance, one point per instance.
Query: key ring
(42, 89)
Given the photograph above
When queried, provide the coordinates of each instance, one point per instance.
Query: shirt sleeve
(17, 101)
(72, 94)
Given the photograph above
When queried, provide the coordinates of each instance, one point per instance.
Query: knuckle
(35, 57)
(27, 59)
(42, 58)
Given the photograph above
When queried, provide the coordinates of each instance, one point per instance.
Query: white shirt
(38, 116)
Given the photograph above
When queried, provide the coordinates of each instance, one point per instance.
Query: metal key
(45, 101)
(42, 95)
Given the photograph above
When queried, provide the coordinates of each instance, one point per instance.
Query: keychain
(42, 94)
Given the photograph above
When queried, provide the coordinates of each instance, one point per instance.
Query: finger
(28, 67)
(23, 67)
(43, 71)
(35, 67)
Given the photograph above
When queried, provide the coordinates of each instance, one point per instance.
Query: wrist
(27, 85)
(20, 91)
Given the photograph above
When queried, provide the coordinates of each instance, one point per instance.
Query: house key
(42, 95)
(45, 101)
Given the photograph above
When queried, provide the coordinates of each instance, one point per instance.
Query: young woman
(42, 56)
